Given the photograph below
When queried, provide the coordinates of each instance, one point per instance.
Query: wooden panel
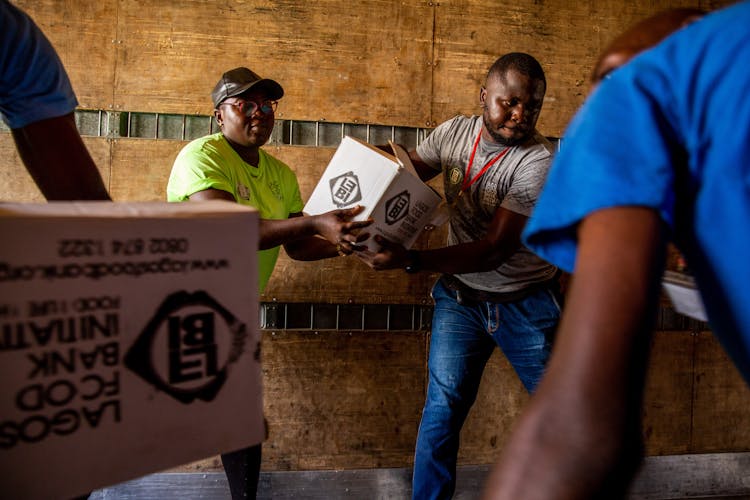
(361, 62)
(17, 184)
(717, 419)
(141, 167)
(345, 280)
(499, 402)
(338, 400)
(338, 60)
(566, 37)
(668, 400)
(721, 410)
(83, 33)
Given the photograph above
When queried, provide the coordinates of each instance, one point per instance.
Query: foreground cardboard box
(128, 341)
(387, 186)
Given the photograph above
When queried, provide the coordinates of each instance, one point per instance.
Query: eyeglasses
(248, 108)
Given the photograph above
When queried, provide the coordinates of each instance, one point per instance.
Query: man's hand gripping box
(129, 341)
(387, 186)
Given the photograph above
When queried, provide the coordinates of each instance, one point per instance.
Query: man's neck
(249, 154)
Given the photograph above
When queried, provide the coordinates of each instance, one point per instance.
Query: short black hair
(521, 62)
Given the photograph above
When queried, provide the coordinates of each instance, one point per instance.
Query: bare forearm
(477, 256)
(275, 232)
(271, 232)
(502, 240)
(313, 248)
(299, 233)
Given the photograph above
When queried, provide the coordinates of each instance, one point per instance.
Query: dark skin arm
(502, 240)
(580, 435)
(58, 161)
(304, 237)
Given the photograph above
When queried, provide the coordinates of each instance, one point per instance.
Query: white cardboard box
(684, 295)
(129, 341)
(388, 187)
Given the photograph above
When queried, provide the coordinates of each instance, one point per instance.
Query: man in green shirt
(230, 165)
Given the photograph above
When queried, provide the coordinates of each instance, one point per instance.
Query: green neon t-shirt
(271, 187)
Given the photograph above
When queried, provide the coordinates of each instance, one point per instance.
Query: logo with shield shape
(345, 189)
(186, 348)
(397, 207)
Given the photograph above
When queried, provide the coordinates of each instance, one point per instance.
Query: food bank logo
(345, 189)
(180, 351)
(397, 207)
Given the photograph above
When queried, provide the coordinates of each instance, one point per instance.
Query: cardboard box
(129, 341)
(684, 295)
(400, 204)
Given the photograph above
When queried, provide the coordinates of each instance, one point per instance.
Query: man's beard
(500, 139)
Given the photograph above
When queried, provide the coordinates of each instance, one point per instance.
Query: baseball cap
(238, 80)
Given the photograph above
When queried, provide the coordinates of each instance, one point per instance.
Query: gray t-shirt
(513, 182)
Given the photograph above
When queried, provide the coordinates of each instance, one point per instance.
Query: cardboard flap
(402, 156)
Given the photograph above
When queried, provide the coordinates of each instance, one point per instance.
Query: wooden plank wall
(352, 399)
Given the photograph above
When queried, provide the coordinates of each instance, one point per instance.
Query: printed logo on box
(345, 189)
(397, 207)
(178, 351)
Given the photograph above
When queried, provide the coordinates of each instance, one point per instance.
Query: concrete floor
(714, 476)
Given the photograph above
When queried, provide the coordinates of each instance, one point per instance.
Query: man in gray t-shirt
(493, 290)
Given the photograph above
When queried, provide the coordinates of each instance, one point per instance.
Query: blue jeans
(463, 338)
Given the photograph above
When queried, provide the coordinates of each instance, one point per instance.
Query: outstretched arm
(309, 237)
(501, 241)
(580, 435)
(58, 161)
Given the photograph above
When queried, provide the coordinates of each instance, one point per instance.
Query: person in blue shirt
(659, 152)
(37, 104)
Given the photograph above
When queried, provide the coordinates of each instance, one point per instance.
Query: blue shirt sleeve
(618, 151)
(33, 83)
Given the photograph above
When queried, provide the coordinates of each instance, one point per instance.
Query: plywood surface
(668, 399)
(721, 410)
(336, 59)
(341, 400)
(141, 167)
(411, 63)
(83, 33)
(336, 400)
(565, 37)
(500, 400)
(18, 186)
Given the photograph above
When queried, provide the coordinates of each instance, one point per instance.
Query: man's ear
(218, 117)
(482, 96)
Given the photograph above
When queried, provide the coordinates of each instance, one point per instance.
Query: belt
(466, 294)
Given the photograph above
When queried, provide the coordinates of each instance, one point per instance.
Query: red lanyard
(464, 184)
